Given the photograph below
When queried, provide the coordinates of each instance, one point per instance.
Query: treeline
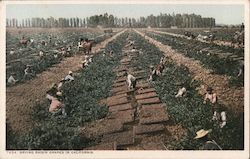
(106, 20)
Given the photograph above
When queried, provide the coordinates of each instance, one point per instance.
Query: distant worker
(104, 53)
(50, 38)
(220, 116)
(242, 27)
(241, 68)
(57, 106)
(41, 53)
(84, 64)
(111, 53)
(28, 72)
(31, 42)
(133, 49)
(12, 52)
(210, 96)
(90, 59)
(159, 69)
(181, 93)
(80, 44)
(211, 37)
(11, 79)
(163, 59)
(130, 43)
(68, 51)
(63, 51)
(44, 43)
(208, 144)
(55, 55)
(131, 80)
(153, 74)
(69, 77)
(69, 48)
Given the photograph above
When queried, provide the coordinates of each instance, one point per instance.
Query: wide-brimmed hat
(201, 133)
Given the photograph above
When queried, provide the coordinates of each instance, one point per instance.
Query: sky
(223, 14)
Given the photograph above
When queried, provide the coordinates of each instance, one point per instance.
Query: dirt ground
(232, 98)
(21, 98)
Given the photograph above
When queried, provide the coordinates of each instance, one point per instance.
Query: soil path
(21, 98)
(233, 98)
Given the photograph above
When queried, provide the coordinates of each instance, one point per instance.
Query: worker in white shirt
(163, 59)
(28, 72)
(133, 49)
(153, 75)
(69, 48)
(31, 41)
(41, 53)
(12, 52)
(86, 61)
(130, 43)
(220, 116)
(11, 79)
(111, 53)
(62, 51)
(84, 64)
(69, 77)
(131, 80)
(55, 55)
(90, 59)
(181, 93)
(80, 44)
(211, 97)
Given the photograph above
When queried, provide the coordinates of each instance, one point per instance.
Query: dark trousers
(134, 83)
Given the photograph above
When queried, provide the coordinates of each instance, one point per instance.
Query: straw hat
(201, 133)
(70, 72)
